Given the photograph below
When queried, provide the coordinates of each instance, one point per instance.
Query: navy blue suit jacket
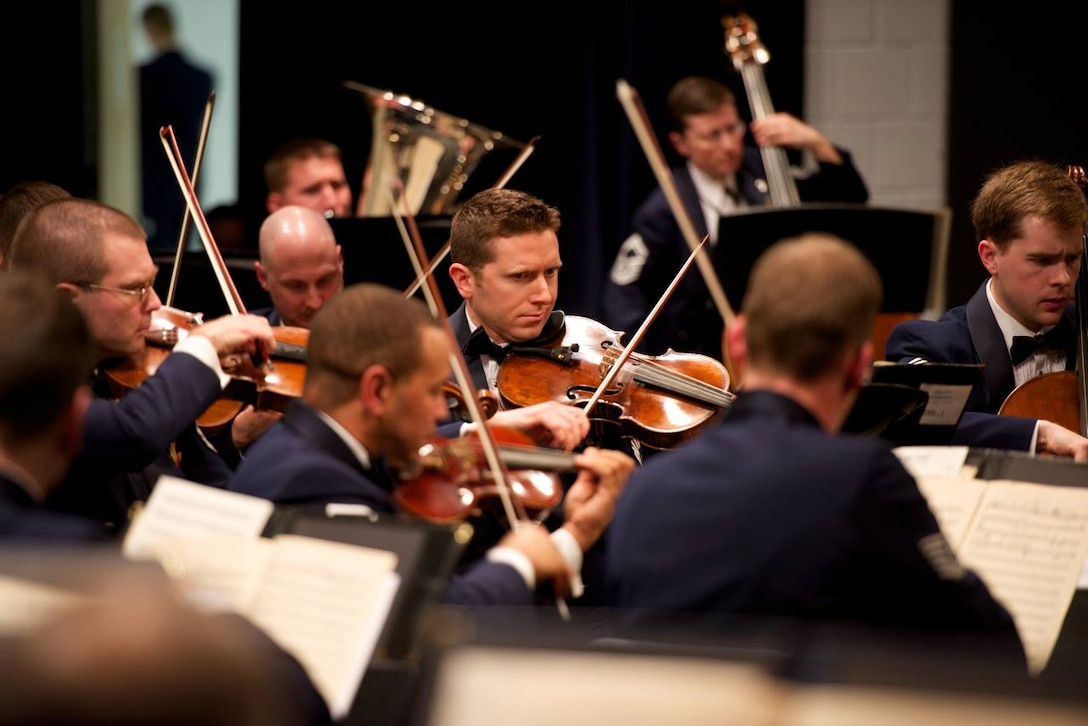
(127, 442)
(173, 92)
(766, 514)
(970, 334)
(23, 520)
(301, 461)
(689, 322)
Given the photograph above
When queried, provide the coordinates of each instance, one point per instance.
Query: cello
(1060, 396)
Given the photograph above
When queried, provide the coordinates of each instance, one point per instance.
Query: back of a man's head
(140, 656)
(17, 202)
(810, 300)
(47, 357)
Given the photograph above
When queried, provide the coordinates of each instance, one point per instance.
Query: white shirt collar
(352, 443)
(1010, 326)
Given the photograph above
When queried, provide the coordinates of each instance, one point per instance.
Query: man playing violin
(720, 175)
(374, 393)
(504, 247)
(98, 256)
(772, 512)
(1030, 219)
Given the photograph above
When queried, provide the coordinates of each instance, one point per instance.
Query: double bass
(1061, 396)
(749, 55)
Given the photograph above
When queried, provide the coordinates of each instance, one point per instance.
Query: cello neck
(1077, 174)
(749, 55)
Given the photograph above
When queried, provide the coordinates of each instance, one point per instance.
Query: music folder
(907, 247)
(914, 405)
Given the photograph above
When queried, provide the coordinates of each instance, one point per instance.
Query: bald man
(300, 265)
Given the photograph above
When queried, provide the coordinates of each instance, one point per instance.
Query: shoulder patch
(937, 552)
(630, 260)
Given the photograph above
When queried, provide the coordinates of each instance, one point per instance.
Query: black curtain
(544, 70)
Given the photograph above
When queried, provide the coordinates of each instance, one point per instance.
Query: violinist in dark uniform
(374, 393)
(98, 256)
(772, 513)
(720, 175)
(504, 247)
(1029, 219)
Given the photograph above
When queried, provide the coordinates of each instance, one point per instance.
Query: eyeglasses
(733, 129)
(140, 292)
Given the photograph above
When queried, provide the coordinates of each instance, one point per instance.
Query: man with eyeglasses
(720, 174)
(98, 256)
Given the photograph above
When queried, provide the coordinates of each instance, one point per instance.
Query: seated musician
(98, 256)
(374, 393)
(1029, 218)
(308, 172)
(504, 251)
(809, 523)
(43, 402)
(720, 175)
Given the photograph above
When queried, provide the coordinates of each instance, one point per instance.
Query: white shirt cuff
(571, 552)
(516, 559)
(1034, 439)
(202, 349)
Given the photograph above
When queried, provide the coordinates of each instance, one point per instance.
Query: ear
(988, 253)
(677, 140)
(339, 259)
(72, 422)
(375, 388)
(736, 345)
(262, 275)
(463, 279)
(67, 287)
(860, 368)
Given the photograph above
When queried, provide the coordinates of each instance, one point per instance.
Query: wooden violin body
(453, 481)
(269, 386)
(658, 400)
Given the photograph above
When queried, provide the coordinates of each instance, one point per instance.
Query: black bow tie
(479, 344)
(1023, 346)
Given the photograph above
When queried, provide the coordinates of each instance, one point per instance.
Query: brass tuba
(432, 153)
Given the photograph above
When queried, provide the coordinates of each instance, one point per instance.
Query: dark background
(543, 70)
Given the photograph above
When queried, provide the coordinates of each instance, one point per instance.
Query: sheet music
(181, 508)
(940, 461)
(945, 404)
(1029, 543)
(327, 603)
(953, 501)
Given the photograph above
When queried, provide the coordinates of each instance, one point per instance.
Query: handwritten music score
(1028, 542)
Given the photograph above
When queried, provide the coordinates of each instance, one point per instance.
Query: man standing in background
(173, 92)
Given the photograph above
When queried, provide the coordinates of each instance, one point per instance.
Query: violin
(660, 400)
(268, 387)
(452, 481)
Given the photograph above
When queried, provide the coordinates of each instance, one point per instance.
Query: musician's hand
(249, 424)
(1060, 441)
(549, 423)
(535, 542)
(782, 129)
(590, 502)
(234, 334)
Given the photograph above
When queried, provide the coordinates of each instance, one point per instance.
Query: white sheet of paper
(939, 461)
(181, 508)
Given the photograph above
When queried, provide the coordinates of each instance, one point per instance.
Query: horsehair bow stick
(173, 154)
(502, 182)
(201, 143)
(413, 244)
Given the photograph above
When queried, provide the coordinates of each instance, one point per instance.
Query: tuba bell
(432, 153)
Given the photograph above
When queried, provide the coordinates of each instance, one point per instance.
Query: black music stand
(374, 251)
(908, 247)
(914, 405)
